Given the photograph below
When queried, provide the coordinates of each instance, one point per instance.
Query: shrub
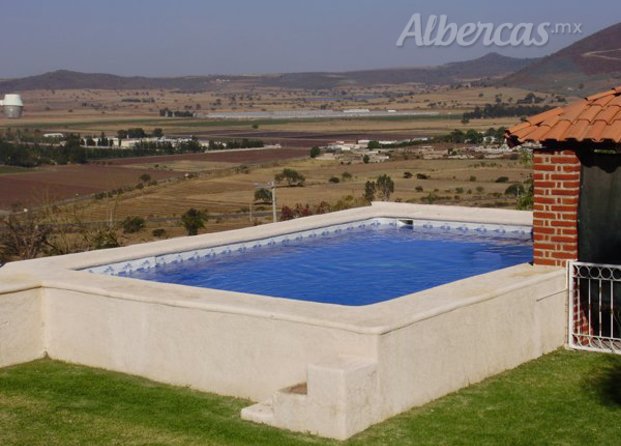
(422, 176)
(459, 190)
(132, 225)
(334, 180)
(192, 220)
(286, 213)
(323, 208)
(407, 175)
(418, 188)
(159, 232)
(430, 198)
(515, 190)
(472, 178)
(346, 176)
(366, 159)
(502, 179)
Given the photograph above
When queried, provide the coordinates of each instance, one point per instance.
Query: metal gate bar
(595, 307)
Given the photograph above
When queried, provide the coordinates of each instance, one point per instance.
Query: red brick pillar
(556, 176)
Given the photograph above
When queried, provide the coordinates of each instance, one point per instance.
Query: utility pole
(274, 215)
(272, 187)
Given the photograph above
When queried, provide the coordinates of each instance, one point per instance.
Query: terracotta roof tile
(605, 100)
(594, 133)
(589, 113)
(612, 133)
(577, 130)
(558, 131)
(608, 114)
(595, 97)
(594, 119)
(542, 117)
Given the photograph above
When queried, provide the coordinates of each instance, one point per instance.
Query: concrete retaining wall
(21, 324)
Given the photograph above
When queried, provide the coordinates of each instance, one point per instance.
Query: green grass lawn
(563, 398)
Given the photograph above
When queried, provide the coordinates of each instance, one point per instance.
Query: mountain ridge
(590, 64)
(492, 65)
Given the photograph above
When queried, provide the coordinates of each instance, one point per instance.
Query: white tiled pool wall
(509, 232)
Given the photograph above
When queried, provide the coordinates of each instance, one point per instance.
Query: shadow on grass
(606, 381)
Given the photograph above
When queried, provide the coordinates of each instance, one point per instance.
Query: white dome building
(13, 106)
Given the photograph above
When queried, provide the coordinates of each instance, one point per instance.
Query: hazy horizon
(191, 38)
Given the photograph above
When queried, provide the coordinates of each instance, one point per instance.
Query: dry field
(94, 111)
(449, 180)
(52, 183)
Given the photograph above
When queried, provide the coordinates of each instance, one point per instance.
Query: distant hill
(490, 66)
(593, 63)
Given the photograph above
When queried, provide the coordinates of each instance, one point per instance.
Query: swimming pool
(332, 370)
(357, 264)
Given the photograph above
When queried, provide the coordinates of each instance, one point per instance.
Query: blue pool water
(357, 267)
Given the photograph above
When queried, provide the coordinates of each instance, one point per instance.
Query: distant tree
(136, 133)
(193, 220)
(385, 187)
(157, 132)
(263, 195)
(145, 177)
(292, 176)
(370, 188)
(315, 152)
(374, 145)
(23, 237)
(366, 159)
(473, 137)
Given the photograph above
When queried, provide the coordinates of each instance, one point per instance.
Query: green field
(564, 398)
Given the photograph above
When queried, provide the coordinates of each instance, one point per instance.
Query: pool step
(337, 401)
(262, 413)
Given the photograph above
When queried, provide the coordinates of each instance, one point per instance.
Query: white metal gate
(595, 307)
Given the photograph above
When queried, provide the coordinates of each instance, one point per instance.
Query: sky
(200, 37)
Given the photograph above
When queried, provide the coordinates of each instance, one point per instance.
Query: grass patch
(563, 398)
